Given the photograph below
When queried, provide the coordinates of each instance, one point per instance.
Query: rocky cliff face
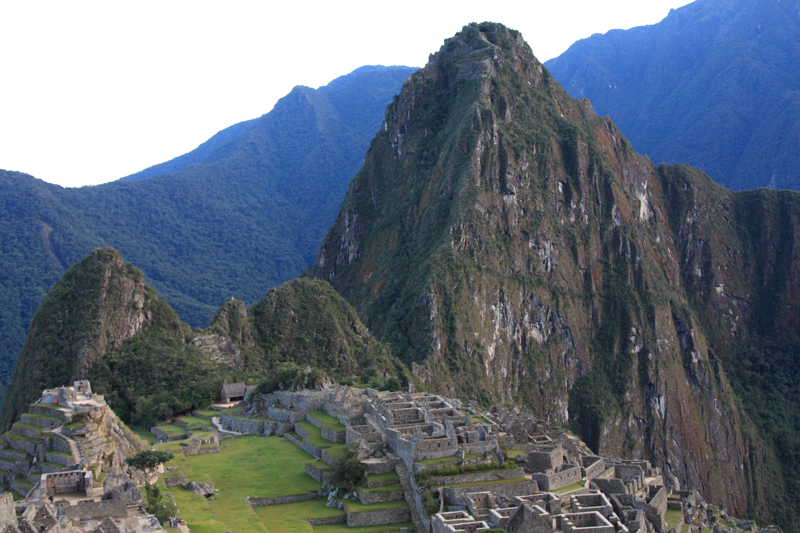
(97, 305)
(512, 246)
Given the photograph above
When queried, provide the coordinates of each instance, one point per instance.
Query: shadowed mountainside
(714, 85)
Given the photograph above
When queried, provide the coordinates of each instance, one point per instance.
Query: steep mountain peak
(510, 245)
(98, 304)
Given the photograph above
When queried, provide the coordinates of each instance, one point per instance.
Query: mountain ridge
(246, 220)
(510, 245)
(713, 85)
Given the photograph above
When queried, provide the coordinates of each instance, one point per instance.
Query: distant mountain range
(715, 85)
(242, 213)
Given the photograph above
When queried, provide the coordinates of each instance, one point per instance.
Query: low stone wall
(375, 518)
(378, 467)
(594, 469)
(558, 480)
(174, 481)
(305, 446)
(24, 445)
(302, 432)
(261, 502)
(318, 471)
(326, 521)
(253, 426)
(284, 414)
(381, 483)
(58, 459)
(453, 496)
(330, 459)
(95, 510)
(48, 409)
(163, 435)
(381, 496)
(474, 477)
(333, 436)
(20, 489)
(356, 434)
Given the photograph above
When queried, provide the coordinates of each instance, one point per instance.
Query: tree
(147, 461)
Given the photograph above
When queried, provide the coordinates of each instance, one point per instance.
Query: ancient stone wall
(558, 479)
(330, 459)
(303, 400)
(318, 471)
(356, 434)
(508, 490)
(473, 477)
(95, 510)
(368, 498)
(374, 518)
(261, 502)
(595, 466)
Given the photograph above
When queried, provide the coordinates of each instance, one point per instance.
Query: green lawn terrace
(262, 470)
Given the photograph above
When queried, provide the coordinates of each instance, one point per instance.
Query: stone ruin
(55, 455)
(556, 485)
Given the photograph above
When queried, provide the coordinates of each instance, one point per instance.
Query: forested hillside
(243, 213)
(102, 322)
(714, 85)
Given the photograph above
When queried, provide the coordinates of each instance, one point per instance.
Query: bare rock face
(203, 489)
(511, 246)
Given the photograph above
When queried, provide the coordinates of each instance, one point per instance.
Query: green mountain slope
(714, 85)
(102, 322)
(243, 213)
(510, 245)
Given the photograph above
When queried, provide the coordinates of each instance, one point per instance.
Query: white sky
(94, 91)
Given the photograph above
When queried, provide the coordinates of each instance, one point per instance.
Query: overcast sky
(93, 91)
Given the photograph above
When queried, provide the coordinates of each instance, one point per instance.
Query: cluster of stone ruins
(485, 470)
(553, 484)
(66, 459)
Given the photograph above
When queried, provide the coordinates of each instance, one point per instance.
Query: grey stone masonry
(454, 495)
(374, 518)
(474, 477)
(380, 496)
(261, 502)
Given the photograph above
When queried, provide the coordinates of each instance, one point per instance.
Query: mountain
(510, 245)
(243, 213)
(102, 322)
(714, 85)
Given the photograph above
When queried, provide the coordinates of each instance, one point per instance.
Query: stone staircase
(408, 493)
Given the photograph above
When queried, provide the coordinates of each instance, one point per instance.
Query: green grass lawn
(569, 488)
(515, 453)
(292, 517)
(245, 466)
(385, 488)
(492, 482)
(194, 423)
(355, 506)
(672, 517)
(172, 430)
(330, 422)
(437, 461)
(208, 412)
(146, 436)
(342, 528)
(383, 477)
(337, 450)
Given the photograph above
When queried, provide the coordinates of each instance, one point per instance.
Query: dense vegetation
(102, 322)
(714, 85)
(510, 245)
(244, 212)
(302, 330)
